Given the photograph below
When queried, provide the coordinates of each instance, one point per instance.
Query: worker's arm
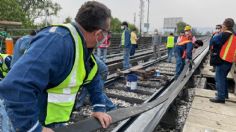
(98, 99)
(24, 88)
(216, 40)
(95, 89)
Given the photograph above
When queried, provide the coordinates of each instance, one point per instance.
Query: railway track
(147, 91)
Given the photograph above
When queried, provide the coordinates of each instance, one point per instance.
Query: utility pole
(148, 16)
(134, 18)
(141, 15)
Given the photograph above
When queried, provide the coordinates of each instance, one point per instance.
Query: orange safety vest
(228, 50)
(184, 40)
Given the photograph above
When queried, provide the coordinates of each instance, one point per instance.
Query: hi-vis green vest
(61, 98)
(123, 38)
(170, 42)
(4, 68)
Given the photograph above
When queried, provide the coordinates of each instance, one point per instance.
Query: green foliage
(68, 20)
(38, 8)
(116, 25)
(180, 26)
(11, 11)
(132, 27)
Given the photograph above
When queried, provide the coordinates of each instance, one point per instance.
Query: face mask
(217, 30)
(101, 41)
(186, 33)
(122, 27)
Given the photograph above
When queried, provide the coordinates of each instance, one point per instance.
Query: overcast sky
(198, 13)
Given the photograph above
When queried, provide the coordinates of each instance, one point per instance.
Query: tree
(38, 8)
(11, 11)
(116, 24)
(68, 20)
(180, 26)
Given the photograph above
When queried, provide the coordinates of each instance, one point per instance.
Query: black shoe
(227, 97)
(214, 100)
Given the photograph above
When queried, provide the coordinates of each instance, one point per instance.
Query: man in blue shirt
(48, 62)
(126, 44)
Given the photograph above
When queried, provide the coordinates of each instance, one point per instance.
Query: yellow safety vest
(170, 42)
(61, 98)
(123, 38)
(4, 69)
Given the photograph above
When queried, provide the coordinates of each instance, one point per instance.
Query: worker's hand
(45, 129)
(104, 118)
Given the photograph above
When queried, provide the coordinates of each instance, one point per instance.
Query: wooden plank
(204, 104)
(211, 93)
(210, 121)
(206, 116)
(207, 73)
(193, 127)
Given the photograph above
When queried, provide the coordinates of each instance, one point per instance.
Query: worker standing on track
(224, 45)
(126, 44)
(170, 46)
(102, 49)
(184, 48)
(40, 89)
(133, 40)
(217, 31)
(156, 42)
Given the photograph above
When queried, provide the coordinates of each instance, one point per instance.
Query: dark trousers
(222, 71)
(133, 48)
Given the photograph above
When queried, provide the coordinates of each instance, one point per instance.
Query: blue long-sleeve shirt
(220, 39)
(46, 64)
(127, 39)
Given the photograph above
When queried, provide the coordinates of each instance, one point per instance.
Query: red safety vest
(228, 50)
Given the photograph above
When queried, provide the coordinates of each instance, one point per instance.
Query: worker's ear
(98, 33)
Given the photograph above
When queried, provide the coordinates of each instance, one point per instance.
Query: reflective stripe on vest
(184, 40)
(170, 42)
(61, 99)
(123, 38)
(228, 50)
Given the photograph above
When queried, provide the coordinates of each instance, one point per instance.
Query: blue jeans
(126, 64)
(133, 48)
(180, 62)
(103, 71)
(170, 53)
(102, 53)
(222, 71)
(5, 123)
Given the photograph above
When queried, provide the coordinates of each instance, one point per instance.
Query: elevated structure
(10, 24)
(170, 24)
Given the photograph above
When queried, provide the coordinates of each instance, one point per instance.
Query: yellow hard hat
(187, 28)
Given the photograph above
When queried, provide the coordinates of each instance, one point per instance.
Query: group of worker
(182, 49)
(128, 43)
(40, 91)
